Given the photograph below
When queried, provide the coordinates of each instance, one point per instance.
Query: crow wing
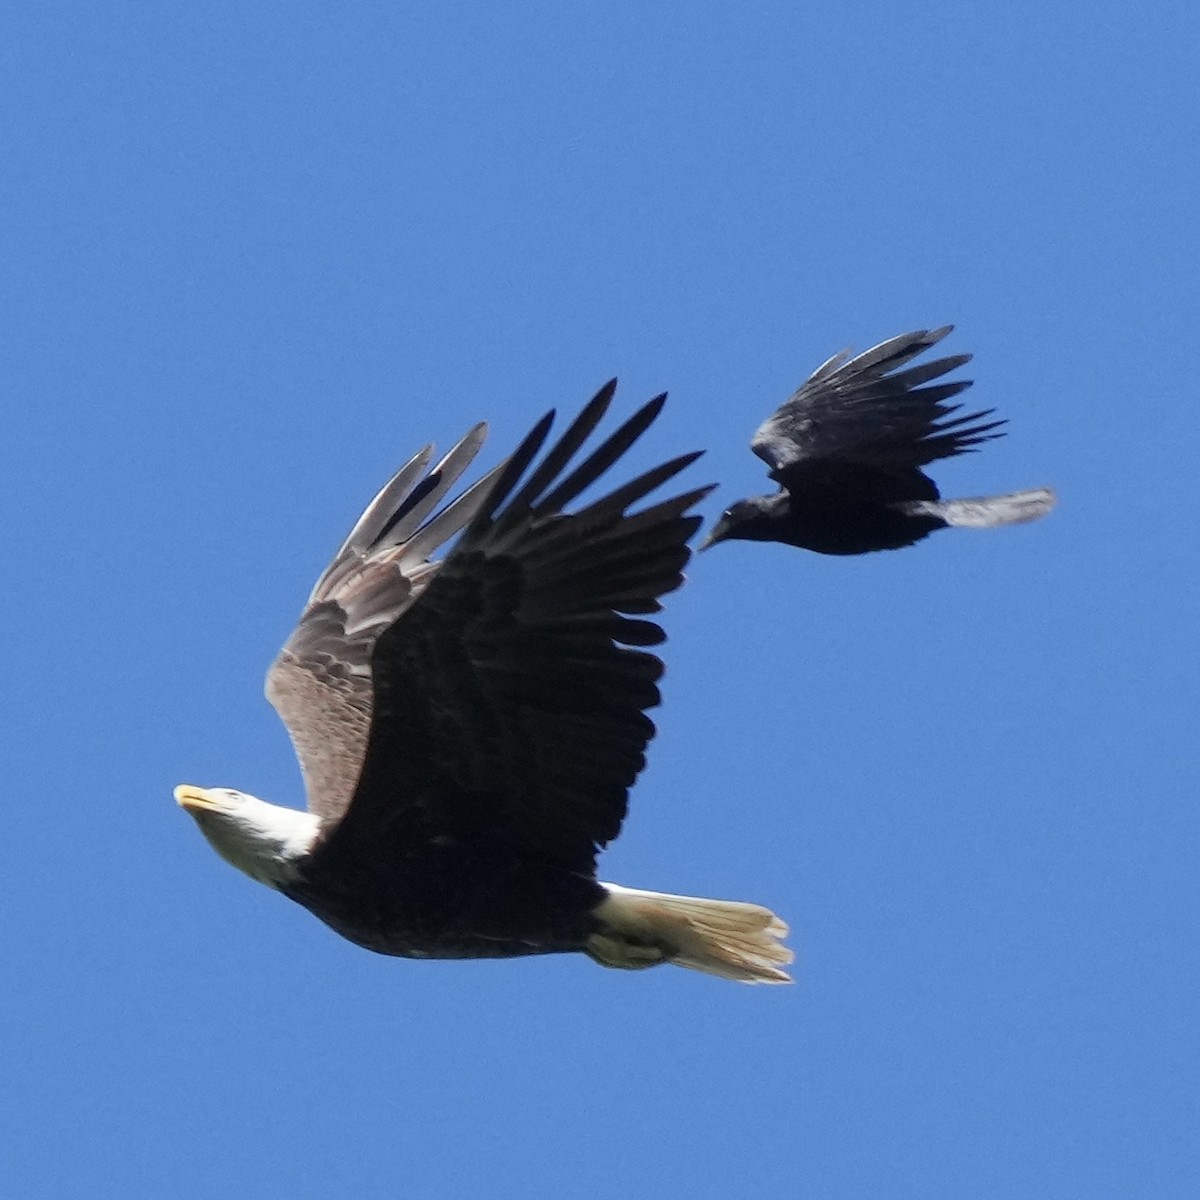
(863, 421)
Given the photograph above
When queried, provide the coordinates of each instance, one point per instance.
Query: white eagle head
(266, 841)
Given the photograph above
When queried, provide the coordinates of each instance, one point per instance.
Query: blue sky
(256, 255)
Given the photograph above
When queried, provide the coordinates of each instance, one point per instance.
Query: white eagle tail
(719, 937)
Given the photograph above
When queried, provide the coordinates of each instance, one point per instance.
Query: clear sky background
(255, 255)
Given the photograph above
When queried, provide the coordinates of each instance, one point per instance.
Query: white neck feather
(266, 841)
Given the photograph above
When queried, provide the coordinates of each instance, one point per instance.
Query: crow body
(848, 448)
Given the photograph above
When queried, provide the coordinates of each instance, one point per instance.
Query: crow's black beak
(716, 534)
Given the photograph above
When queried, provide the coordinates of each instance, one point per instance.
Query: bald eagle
(469, 728)
(847, 451)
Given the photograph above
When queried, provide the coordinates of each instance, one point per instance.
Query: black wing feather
(864, 412)
(509, 699)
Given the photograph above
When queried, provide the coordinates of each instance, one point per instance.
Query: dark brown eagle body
(449, 896)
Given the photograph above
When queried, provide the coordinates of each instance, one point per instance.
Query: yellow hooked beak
(195, 799)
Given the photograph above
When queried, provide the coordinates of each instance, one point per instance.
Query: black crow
(847, 451)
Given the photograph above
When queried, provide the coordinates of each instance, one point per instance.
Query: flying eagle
(469, 728)
(847, 451)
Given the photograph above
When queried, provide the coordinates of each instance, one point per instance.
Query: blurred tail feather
(986, 512)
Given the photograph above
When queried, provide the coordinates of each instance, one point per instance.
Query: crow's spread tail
(985, 512)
